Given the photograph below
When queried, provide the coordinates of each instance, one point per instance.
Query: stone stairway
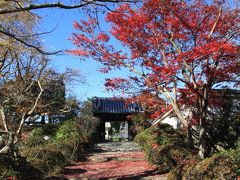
(103, 152)
(128, 146)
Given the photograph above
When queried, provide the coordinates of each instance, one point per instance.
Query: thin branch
(3, 117)
(65, 110)
(6, 148)
(97, 18)
(136, 72)
(215, 23)
(161, 88)
(185, 63)
(32, 83)
(38, 98)
(189, 85)
(164, 58)
(24, 117)
(38, 34)
(27, 44)
(43, 6)
(175, 92)
(3, 60)
(58, 5)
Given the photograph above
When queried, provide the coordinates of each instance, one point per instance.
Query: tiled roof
(114, 105)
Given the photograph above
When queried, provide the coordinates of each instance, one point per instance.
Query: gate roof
(114, 106)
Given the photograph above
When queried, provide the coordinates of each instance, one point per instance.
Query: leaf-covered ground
(116, 165)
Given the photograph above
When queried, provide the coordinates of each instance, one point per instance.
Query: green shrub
(48, 160)
(177, 172)
(68, 131)
(18, 168)
(140, 123)
(36, 137)
(50, 129)
(70, 141)
(224, 165)
(142, 138)
(165, 147)
(168, 156)
(72, 152)
(51, 157)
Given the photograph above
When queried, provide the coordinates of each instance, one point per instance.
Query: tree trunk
(190, 137)
(8, 145)
(203, 104)
(202, 142)
(179, 115)
(185, 123)
(13, 138)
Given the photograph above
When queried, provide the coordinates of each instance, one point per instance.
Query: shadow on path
(153, 174)
(114, 161)
(74, 171)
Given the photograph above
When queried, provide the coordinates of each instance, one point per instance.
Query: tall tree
(28, 87)
(172, 47)
(28, 91)
(21, 91)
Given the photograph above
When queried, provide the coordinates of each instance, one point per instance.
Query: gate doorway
(116, 131)
(113, 115)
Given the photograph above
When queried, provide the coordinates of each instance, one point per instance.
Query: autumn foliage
(172, 46)
(193, 44)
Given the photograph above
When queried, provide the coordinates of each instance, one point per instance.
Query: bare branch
(24, 117)
(185, 63)
(6, 148)
(38, 34)
(3, 117)
(215, 23)
(28, 44)
(58, 5)
(43, 6)
(37, 99)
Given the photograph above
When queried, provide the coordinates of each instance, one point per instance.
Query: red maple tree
(173, 47)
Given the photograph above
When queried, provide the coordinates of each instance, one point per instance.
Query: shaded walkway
(114, 161)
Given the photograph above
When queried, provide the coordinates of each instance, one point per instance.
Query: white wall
(173, 121)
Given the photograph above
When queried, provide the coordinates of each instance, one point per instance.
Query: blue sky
(58, 40)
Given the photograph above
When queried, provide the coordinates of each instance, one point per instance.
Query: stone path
(114, 161)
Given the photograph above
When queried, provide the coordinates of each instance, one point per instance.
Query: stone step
(115, 147)
(105, 159)
(96, 150)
